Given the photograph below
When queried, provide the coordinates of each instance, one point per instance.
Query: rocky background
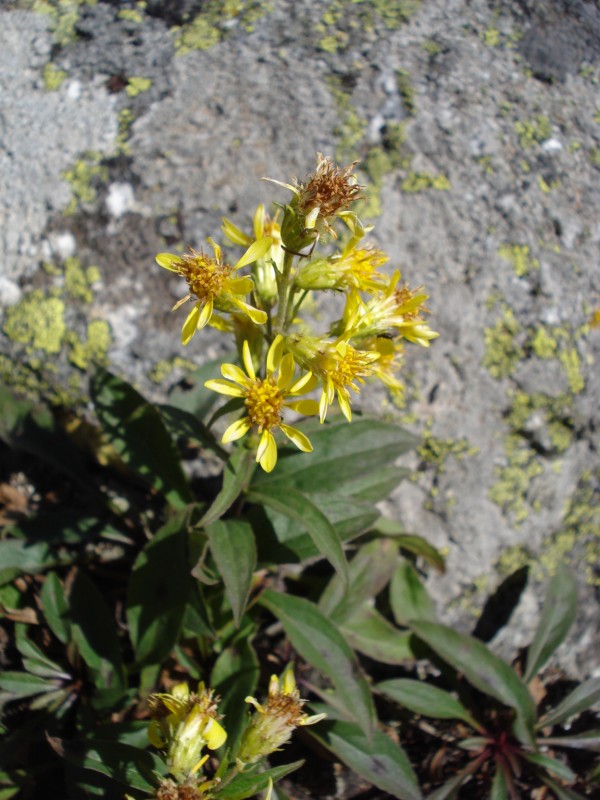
(129, 128)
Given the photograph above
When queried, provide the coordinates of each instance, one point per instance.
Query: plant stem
(284, 286)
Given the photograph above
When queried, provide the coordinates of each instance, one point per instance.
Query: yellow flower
(183, 722)
(355, 267)
(389, 362)
(265, 399)
(338, 365)
(273, 724)
(394, 309)
(214, 284)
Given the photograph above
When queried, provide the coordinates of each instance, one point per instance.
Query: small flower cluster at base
(273, 723)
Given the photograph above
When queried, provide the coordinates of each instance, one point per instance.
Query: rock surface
(127, 130)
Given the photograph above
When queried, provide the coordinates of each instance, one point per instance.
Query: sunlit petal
(301, 441)
(190, 326)
(257, 316)
(287, 368)
(234, 234)
(344, 401)
(168, 261)
(216, 248)
(234, 373)
(224, 387)
(256, 250)
(308, 408)
(304, 384)
(236, 430)
(266, 454)
(259, 221)
(274, 355)
(243, 285)
(205, 314)
(247, 359)
(214, 734)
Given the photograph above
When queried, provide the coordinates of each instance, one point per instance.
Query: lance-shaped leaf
(293, 504)
(235, 677)
(369, 572)
(234, 550)
(320, 643)
(130, 766)
(587, 740)
(583, 696)
(557, 617)
(248, 785)
(425, 699)
(484, 670)
(552, 765)
(56, 607)
(408, 596)
(158, 590)
(412, 542)
(138, 434)
(236, 477)
(376, 757)
(370, 633)
(561, 792)
(182, 424)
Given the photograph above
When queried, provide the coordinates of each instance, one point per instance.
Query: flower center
(264, 402)
(351, 366)
(204, 275)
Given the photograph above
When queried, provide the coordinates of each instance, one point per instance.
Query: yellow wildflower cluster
(183, 723)
(262, 309)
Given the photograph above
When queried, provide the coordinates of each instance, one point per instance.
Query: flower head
(355, 267)
(327, 194)
(394, 309)
(265, 399)
(183, 722)
(338, 365)
(214, 284)
(272, 726)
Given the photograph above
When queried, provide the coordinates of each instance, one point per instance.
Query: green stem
(284, 287)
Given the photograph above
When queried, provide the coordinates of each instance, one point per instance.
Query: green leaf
(553, 765)
(136, 430)
(561, 792)
(34, 660)
(158, 591)
(376, 757)
(343, 455)
(415, 544)
(370, 633)
(294, 504)
(234, 550)
(408, 596)
(369, 572)
(19, 557)
(22, 684)
(95, 632)
(33, 429)
(583, 696)
(55, 607)
(234, 677)
(182, 424)
(425, 699)
(499, 788)
(245, 785)
(449, 790)
(321, 644)
(557, 617)
(137, 769)
(348, 516)
(587, 740)
(484, 670)
(236, 477)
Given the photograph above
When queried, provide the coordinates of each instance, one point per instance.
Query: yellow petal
(214, 734)
(190, 326)
(344, 401)
(257, 316)
(243, 285)
(308, 408)
(304, 384)
(168, 261)
(247, 359)
(288, 679)
(233, 373)
(274, 355)
(259, 221)
(267, 451)
(287, 368)
(301, 441)
(323, 405)
(256, 250)
(205, 314)
(216, 248)
(234, 234)
(236, 430)
(224, 387)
